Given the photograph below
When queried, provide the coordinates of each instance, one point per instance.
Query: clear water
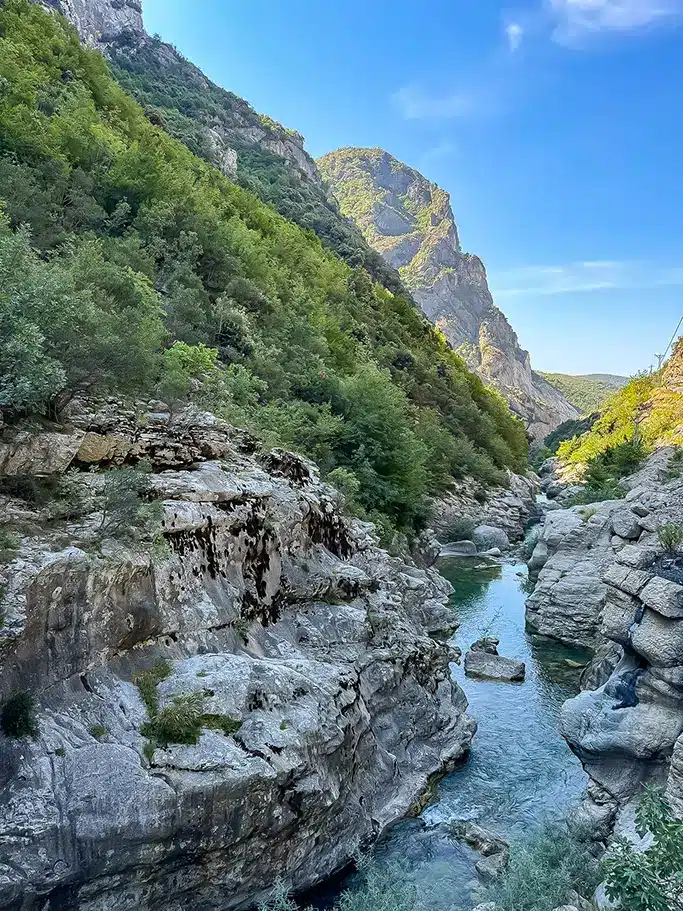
(520, 772)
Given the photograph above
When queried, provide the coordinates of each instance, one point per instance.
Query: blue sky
(556, 126)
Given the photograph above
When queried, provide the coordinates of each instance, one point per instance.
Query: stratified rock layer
(271, 606)
(410, 222)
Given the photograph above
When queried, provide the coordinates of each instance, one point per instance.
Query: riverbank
(520, 772)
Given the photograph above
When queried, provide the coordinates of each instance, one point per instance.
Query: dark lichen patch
(287, 465)
(327, 527)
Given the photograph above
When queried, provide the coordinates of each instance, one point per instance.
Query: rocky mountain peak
(409, 220)
(100, 21)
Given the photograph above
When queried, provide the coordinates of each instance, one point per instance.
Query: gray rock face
(410, 222)
(626, 728)
(506, 508)
(100, 21)
(570, 558)
(272, 609)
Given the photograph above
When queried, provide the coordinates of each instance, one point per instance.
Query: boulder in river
(483, 661)
(487, 536)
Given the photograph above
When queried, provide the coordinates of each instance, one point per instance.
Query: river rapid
(520, 772)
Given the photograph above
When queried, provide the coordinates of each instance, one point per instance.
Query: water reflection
(520, 772)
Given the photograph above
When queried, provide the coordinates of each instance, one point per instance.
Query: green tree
(649, 880)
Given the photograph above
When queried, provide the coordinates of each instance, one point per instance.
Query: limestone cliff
(606, 582)
(410, 222)
(325, 705)
(100, 21)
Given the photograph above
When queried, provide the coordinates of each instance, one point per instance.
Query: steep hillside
(218, 126)
(410, 222)
(152, 273)
(586, 393)
(648, 409)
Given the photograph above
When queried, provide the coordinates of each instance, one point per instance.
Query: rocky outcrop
(325, 706)
(607, 583)
(410, 222)
(100, 21)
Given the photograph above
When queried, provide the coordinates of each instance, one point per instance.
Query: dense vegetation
(648, 410)
(567, 431)
(587, 393)
(143, 270)
(194, 110)
(649, 880)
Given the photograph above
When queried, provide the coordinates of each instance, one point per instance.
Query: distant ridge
(587, 392)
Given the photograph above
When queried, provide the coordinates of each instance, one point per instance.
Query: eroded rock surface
(281, 616)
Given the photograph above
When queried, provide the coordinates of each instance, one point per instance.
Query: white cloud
(514, 34)
(574, 21)
(584, 277)
(414, 104)
(437, 153)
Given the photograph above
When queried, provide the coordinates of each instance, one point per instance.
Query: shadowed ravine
(520, 772)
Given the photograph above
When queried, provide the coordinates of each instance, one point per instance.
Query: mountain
(131, 267)
(250, 148)
(410, 222)
(589, 392)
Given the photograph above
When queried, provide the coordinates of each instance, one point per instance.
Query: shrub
(125, 510)
(179, 722)
(671, 536)
(543, 871)
(18, 718)
(608, 490)
(9, 542)
(98, 731)
(650, 880)
(675, 466)
(379, 889)
(147, 683)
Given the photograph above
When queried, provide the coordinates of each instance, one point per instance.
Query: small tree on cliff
(650, 880)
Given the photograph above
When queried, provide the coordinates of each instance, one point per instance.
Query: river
(520, 772)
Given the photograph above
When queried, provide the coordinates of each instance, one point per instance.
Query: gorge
(255, 509)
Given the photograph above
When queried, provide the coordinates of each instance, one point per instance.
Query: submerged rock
(460, 549)
(482, 840)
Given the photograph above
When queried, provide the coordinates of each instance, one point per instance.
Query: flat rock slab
(664, 596)
(493, 667)
(459, 549)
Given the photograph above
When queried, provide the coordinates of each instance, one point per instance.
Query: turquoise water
(520, 772)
